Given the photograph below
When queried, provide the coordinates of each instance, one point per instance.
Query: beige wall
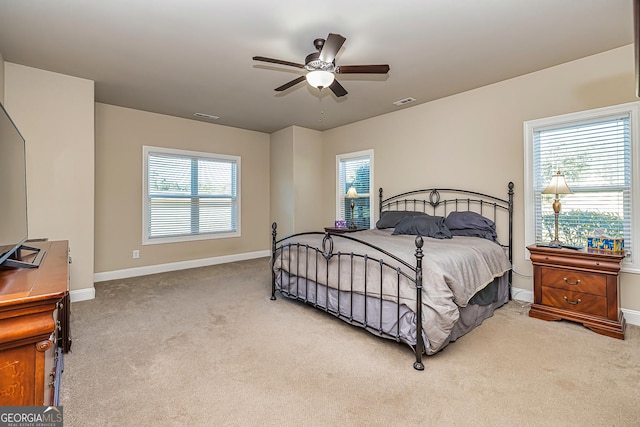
(55, 115)
(475, 139)
(296, 180)
(282, 184)
(120, 135)
(308, 183)
(1, 79)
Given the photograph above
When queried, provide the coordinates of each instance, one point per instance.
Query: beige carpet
(206, 347)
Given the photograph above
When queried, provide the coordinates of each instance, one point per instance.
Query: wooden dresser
(577, 285)
(34, 328)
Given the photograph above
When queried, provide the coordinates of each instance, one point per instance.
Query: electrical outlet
(136, 254)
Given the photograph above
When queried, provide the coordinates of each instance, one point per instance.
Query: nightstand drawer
(574, 281)
(578, 260)
(575, 301)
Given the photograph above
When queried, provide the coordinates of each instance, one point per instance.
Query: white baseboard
(174, 266)
(631, 316)
(523, 295)
(82, 294)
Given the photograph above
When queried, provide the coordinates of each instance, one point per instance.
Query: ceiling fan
(321, 66)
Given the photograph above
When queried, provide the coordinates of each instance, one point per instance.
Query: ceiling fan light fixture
(320, 78)
(321, 66)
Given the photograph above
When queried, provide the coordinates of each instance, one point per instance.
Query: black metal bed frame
(464, 200)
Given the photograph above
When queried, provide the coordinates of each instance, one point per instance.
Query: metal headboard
(441, 201)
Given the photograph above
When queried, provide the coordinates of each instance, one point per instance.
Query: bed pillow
(468, 223)
(474, 232)
(389, 219)
(468, 219)
(423, 225)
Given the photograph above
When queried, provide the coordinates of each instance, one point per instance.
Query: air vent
(206, 116)
(404, 101)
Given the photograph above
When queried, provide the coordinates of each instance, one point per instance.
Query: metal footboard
(353, 307)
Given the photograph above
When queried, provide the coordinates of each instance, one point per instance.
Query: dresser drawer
(575, 301)
(575, 281)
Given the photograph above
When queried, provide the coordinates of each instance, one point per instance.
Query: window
(355, 170)
(189, 195)
(593, 149)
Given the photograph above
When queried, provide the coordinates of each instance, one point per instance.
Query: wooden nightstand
(577, 285)
(342, 230)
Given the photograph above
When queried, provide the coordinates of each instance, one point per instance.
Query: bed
(437, 264)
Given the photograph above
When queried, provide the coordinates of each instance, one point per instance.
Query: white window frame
(146, 240)
(340, 197)
(630, 264)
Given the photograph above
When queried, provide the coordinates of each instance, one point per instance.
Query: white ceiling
(179, 57)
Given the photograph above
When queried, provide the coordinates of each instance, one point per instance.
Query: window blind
(356, 172)
(190, 194)
(595, 157)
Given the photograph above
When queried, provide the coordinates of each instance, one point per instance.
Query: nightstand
(577, 285)
(342, 230)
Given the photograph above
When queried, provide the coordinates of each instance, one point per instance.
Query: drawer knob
(572, 302)
(569, 283)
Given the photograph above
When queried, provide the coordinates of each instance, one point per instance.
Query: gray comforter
(453, 271)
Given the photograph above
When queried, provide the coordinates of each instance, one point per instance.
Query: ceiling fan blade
(291, 83)
(338, 89)
(331, 47)
(278, 61)
(362, 69)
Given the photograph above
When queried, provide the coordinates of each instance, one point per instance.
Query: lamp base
(353, 222)
(555, 244)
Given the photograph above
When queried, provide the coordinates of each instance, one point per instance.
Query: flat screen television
(13, 197)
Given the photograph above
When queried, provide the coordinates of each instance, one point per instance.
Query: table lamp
(557, 186)
(352, 194)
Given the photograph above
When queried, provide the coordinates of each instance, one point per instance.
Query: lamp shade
(320, 78)
(352, 193)
(558, 185)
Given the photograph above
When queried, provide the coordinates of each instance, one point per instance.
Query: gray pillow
(424, 225)
(389, 219)
(468, 219)
(468, 223)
